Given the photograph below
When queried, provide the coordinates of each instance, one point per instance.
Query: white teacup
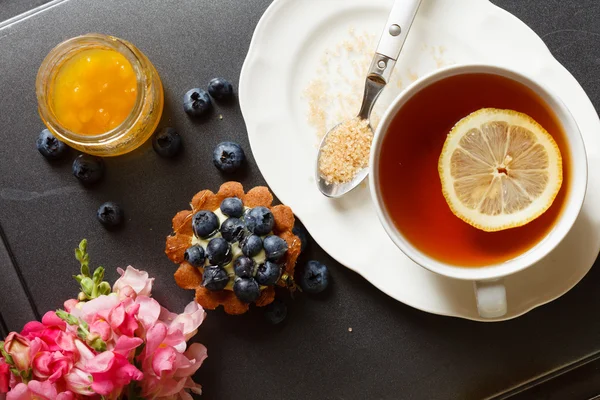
(490, 292)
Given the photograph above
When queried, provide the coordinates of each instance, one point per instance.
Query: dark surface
(392, 352)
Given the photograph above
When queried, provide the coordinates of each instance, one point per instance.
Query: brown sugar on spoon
(346, 151)
(234, 247)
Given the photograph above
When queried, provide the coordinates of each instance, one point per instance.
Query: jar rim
(64, 51)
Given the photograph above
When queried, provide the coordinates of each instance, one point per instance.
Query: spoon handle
(393, 37)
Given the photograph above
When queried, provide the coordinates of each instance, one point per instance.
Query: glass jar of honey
(99, 94)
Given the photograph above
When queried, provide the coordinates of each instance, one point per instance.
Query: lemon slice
(499, 169)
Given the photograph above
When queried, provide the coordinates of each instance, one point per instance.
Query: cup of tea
(411, 197)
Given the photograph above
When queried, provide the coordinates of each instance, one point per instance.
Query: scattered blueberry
(275, 247)
(232, 229)
(302, 235)
(205, 224)
(220, 88)
(196, 102)
(88, 169)
(251, 245)
(166, 142)
(195, 255)
(243, 267)
(218, 251)
(232, 207)
(276, 312)
(214, 278)
(228, 156)
(314, 278)
(246, 289)
(110, 214)
(259, 221)
(49, 146)
(268, 273)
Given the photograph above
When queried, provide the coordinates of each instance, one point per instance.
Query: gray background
(393, 351)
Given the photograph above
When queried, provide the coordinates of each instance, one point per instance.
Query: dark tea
(410, 185)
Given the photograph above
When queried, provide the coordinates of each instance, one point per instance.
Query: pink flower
(138, 280)
(4, 376)
(189, 321)
(52, 366)
(70, 304)
(101, 305)
(111, 371)
(101, 328)
(150, 311)
(18, 347)
(166, 367)
(123, 320)
(47, 330)
(33, 390)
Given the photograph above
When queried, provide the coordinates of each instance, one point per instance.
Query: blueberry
(259, 221)
(302, 235)
(275, 247)
(246, 289)
(214, 278)
(166, 142)
(268, 273)
(232, 229)
(205, 224)
(88, 169)
(243, 267)
(195, 255)
(228, 156)
(49, 146)
(220, 88)
(232, 207)
(314, 278)
(276, 312)
(110, 214)
(218, 252)
(196, 102)
(251, 245)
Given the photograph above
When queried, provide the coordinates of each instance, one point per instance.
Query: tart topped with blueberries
(233, 248)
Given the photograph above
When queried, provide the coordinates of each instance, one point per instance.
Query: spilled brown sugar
(346, 151)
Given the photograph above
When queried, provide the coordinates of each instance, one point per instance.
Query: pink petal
(101, 363)
(41, 365)
(66, 342)
(79, 382)
(166, 316)
(65, 396)
(138, 280)
(102, 328)
(164, 360)
(190, 320)
(116, 316)
(85, 354)
(70, 304)
(33, 329)
(149, 311)
(196, 354)
(45, 390)
(94, 307)
(51, 319)
(19, 392)
(103, 386)
(125, 344)
(154, 337)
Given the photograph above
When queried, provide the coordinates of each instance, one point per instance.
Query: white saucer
(286, 51)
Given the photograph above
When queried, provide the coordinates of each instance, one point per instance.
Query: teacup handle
(491, 298)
